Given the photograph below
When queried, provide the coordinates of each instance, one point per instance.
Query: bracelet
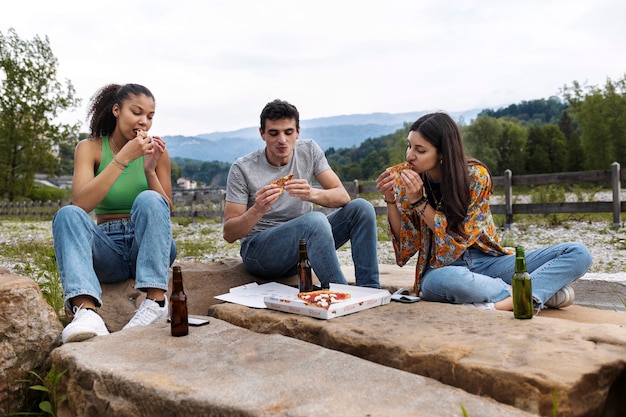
(419, 202)
(119, 164)
(421, 211)
(389, 202)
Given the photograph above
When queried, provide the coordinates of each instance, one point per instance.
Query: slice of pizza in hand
(323, 298)
(397, 169)
(281, 182)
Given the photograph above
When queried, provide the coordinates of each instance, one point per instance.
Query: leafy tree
(601, 115)
(545, 149)
(575, 159)
(536, 112)
(512, 145)
(31, 98)
(481, 140)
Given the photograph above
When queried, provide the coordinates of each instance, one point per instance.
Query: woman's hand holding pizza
(385, 183)
(413, 184)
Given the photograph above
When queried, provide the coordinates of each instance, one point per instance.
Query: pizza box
(361, 298)
(276, 296)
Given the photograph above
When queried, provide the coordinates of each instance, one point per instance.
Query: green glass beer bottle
(522, 287)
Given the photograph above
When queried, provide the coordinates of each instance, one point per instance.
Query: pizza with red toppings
(281, 182)
(323, 298)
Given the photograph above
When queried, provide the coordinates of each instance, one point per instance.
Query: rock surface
(223, 370)
(29, 330)
(455, 356)
(488, 353)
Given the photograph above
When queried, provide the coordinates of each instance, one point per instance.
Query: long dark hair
(100, 110)
(443, 133)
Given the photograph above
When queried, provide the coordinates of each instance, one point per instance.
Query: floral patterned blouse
(417, 237)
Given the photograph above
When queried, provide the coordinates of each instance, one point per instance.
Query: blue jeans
(478, 277)
(141, 247)
(273, 253)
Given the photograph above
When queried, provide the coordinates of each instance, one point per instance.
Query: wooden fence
(209, 202)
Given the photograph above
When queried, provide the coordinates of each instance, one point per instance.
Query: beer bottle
(305, 283)
(178, 304)
(522, 287)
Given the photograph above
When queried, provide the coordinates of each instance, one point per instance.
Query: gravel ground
(607, 245)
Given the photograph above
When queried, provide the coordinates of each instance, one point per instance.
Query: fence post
(222, 206)
(356, 188)
(193, 207)
(617, 200)
(508, 198)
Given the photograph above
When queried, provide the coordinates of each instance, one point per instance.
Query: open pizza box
(282, 297)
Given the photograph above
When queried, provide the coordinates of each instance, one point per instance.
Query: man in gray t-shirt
(270, 220)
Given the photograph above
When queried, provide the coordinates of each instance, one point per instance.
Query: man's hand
(266, 196)
(299, 188)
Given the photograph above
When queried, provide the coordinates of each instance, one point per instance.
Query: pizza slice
(281, 182)
(397, 169)
(323, 298)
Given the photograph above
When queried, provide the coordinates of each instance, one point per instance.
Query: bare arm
(239, 221)
(88, 190)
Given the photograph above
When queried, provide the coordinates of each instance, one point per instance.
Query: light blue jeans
(273, 253)
(477, 277)
(141, 247)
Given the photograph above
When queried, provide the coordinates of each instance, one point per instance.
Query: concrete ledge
(223, 370)
(522, 363)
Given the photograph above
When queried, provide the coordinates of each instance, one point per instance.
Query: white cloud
(213, 65)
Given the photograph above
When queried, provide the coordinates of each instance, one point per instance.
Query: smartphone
(194, 321)
(198, 321)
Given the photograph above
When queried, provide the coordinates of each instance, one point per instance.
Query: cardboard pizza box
(361, 298)
(282, 297)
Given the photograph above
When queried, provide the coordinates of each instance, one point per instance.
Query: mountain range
(337, 132)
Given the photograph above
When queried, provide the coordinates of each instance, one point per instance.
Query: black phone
(198, 321)
(195, 321)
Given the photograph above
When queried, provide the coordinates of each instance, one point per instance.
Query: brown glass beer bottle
(178, 304)
(305, 283)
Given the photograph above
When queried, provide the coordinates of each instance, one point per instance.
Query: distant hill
(337, 131)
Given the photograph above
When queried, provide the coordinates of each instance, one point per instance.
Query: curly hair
(279, 109)
(100, 110)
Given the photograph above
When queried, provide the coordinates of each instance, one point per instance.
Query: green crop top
(131, 182)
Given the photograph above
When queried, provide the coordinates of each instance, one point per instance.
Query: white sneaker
(149, 312)
(85, 325)
(562, 298)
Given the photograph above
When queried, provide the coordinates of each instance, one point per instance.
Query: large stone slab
(223, 370)
(29, 330)
(524, 363)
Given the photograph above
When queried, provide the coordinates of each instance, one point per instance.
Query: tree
(31, 98)
(481, 140)
(545, 149)
(601, 115)
(511, 145)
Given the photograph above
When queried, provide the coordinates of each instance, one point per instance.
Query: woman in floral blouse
(439, 209)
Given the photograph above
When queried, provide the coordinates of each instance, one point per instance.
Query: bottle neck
(302, 252)
(177, 284)
(520, 264)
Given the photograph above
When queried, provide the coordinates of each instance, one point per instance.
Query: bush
(49, 194)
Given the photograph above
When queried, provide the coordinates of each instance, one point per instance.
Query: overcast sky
(212, 65)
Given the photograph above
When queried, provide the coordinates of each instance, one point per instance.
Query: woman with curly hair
(122, 175)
